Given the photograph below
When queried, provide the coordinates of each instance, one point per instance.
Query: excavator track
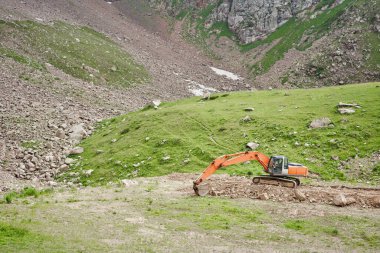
(289, 182)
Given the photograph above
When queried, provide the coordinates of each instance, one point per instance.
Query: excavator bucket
(201, 189)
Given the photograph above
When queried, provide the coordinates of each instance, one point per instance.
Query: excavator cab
(278, 165)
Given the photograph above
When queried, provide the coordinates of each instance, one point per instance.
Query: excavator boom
(230, 159)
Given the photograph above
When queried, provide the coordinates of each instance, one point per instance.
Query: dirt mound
(240, 187)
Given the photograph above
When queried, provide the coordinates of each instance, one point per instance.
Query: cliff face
(254, 19)
(248, 19)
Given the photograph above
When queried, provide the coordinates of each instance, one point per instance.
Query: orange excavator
(281, 172)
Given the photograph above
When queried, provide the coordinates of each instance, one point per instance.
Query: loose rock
(88, 173)
(128, 183)
(299, 195)
(320, 123)
(263, 196)
(252, 145)
(341, 200)
(60, 134)
(376, 201)
(246, 119)
(340, 105)
(77, 133)
(346, 110)
(69, 161)
(76, 151)
(156, 103)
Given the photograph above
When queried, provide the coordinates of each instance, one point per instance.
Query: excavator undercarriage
(283, 181)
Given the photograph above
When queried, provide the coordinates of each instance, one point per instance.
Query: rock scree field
(101, 136)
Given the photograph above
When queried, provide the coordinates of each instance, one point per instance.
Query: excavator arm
(231, 159)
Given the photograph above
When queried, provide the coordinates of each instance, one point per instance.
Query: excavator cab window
(276, 165)
(286, 163)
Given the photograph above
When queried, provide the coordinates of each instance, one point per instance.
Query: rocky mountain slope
(62, 64)
(286, 43)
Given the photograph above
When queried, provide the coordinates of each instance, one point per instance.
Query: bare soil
(322, 193)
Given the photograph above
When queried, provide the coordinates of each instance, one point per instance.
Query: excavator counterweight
(280, 171)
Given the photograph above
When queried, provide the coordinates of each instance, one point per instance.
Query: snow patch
(198, 89)
(225, 73)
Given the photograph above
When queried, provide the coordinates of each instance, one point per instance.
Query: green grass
(30, 144)
(185, 136)
(6, 52)
(26, 192)
(78, 51)
(17, 238)
(310, 227)
(206, 213)
(223, 30)
(11, 235)
(355, 232)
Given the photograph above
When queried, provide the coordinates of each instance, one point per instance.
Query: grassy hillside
(185, 136)
(78, 51)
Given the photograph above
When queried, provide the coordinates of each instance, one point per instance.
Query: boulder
(320, 123)
(252, 145)
(63, 167)
(76, 151)
(60, 134)
(263, 196)
(346, 110)
(49, 158)
(342, 105)
(376, 201)
(341, 200)
(299, 195)
(34, 160)
(87, 173)
(166, 158)
(156, 103)
(52, 183)
(246, 119)
(69, 161)
(77, 132)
